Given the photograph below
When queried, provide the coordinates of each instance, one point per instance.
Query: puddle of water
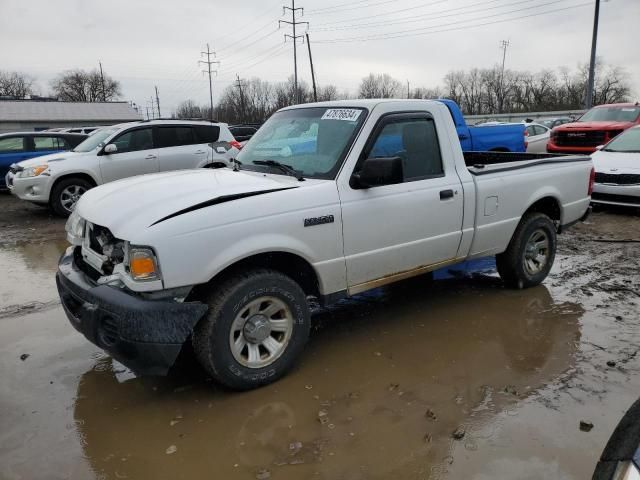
(28, 273)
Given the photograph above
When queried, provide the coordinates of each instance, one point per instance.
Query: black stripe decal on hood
(218, 200)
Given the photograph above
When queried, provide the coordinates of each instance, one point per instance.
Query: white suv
(121, 151)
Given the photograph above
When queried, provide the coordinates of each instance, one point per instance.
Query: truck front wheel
(257, 325)
(531, 252)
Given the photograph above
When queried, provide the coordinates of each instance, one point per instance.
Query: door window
(134, 140)
(49, 143)
(175, 136)
(11, 145)
(415, 141)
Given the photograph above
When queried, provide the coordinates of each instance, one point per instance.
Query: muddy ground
(385, 382)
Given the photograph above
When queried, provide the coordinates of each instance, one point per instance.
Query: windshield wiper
(288, 169)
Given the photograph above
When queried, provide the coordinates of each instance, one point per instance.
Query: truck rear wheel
(257, 325)
(531, 252)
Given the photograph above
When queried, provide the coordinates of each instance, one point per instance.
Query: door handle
(199, 152)
(150, 157)
(462, 136)
(445, 194)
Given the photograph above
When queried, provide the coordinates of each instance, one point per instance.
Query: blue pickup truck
(487, 138)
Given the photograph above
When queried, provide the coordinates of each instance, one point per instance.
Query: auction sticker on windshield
(349, 114)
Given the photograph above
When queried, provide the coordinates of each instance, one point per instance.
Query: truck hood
(53, 157)
(594, 126)
(128, 206)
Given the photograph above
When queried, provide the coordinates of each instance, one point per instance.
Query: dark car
(242, 133)
(19, 146)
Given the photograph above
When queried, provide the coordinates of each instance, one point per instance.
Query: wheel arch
(83, 175)
(291, 264)
(549, 205)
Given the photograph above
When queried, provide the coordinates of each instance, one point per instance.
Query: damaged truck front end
(106, 288)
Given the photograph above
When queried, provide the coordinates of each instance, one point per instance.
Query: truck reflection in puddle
(387, 379)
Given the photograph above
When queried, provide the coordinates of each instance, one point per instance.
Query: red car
(594, 128)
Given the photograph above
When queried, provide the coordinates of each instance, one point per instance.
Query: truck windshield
(628, 141)
(611, 114)
(311, 140)
(95, 140)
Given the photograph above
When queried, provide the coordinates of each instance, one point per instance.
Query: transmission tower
(208, 62)
(294, 37)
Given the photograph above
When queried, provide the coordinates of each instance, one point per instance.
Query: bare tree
(379, 86)
(188, 109)
(82, 86)
(15, 84)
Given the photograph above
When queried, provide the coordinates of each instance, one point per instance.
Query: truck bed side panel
(504, 196)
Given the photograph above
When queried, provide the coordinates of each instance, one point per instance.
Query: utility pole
(104, 97)
(239, 87)
(148, 117)
(313, 74)
(294, 37)
(208, 62)
(504, 44)
(408, 90)
(158, 102)
(153, 112)
(592, 63)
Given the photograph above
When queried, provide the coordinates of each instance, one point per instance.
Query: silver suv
(121, 151)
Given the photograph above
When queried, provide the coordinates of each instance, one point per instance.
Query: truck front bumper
(144, 335)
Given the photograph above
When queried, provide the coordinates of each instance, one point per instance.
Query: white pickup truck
(327, 200)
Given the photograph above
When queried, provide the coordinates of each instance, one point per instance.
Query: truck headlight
(143, 264)
(75, 228)
(33, 171)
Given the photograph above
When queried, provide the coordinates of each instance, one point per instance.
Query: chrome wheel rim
(261, 332)
(70, 196)
(536, 252)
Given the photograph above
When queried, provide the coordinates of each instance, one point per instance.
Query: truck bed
(481, 163)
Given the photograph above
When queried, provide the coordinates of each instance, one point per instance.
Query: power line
(425, 30)
(294, 37)
(351, 7)
(420, 18)
(208, 62)
(337, 6)
(386, 14)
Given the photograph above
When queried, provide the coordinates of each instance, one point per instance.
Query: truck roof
(363, 103)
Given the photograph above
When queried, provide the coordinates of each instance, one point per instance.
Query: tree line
(69, 86)
(477, 91)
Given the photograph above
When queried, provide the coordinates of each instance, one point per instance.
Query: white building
(34, 115)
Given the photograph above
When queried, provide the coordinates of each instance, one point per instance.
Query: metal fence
(519, 117)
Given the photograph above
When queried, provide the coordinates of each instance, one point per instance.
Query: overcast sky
(143, 43)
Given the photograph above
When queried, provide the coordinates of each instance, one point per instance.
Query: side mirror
(375, 172)
(599, 147)
(111, 148)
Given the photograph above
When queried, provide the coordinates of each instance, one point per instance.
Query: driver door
(136, 155)
(395, 231)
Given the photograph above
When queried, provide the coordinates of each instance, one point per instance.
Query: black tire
(211, 337)
(55, 198)
(511, 263)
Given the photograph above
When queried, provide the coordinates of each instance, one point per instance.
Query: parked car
(617, 167)
(227, 258)
(242, 133)
(19, 146)
(596, 127)
(118, 152)
(554, 122)
(537, 137)
(487, 137)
